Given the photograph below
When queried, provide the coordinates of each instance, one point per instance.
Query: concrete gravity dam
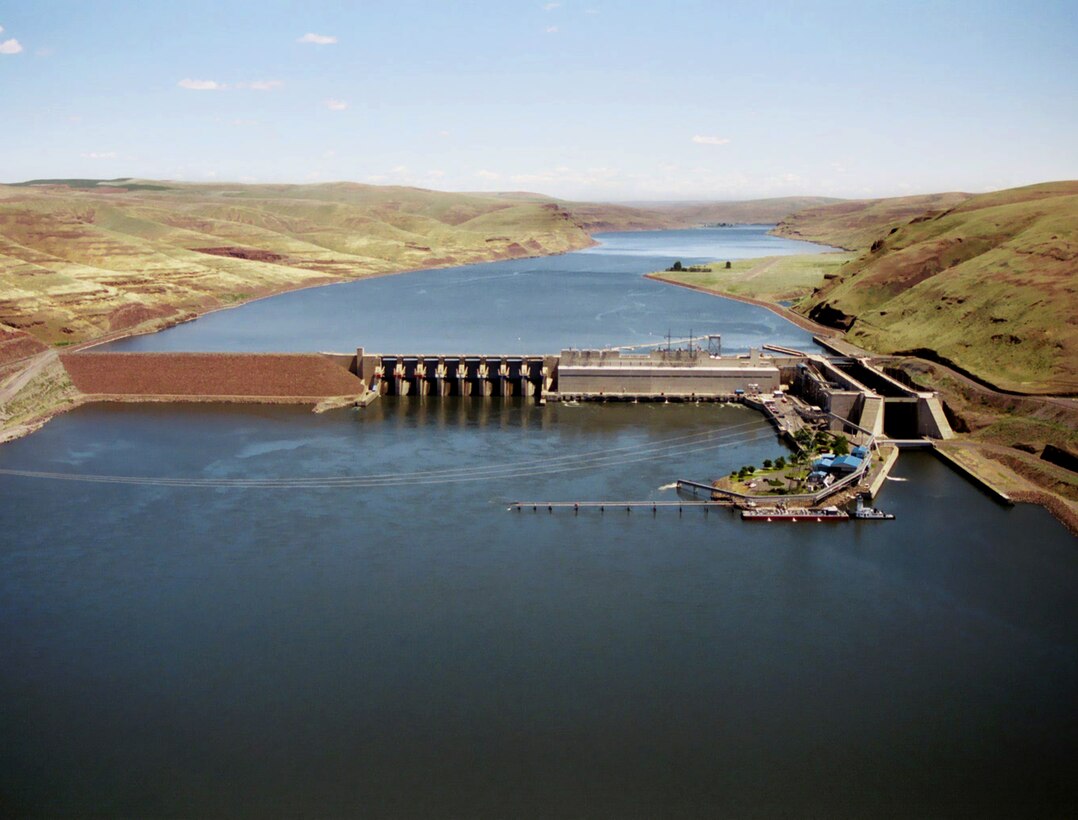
(854, 390)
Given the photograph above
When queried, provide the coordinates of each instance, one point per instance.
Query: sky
(590, 100)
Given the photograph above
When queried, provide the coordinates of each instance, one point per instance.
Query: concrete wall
(655, 380)
(212, 375)
(931, 420)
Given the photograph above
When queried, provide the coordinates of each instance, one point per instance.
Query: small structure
(846, 464)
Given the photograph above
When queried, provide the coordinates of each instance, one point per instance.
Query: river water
(378, 635)
(594, 298)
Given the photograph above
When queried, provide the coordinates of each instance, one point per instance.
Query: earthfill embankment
(297, 377)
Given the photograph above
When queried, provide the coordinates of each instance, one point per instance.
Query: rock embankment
(271, 376)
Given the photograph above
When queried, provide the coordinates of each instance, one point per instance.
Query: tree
(841, 446)
(780, 462)
(676, 265)
(727, 264)
(767, 464)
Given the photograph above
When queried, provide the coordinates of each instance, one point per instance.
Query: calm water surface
(595, 298)
(406, 646)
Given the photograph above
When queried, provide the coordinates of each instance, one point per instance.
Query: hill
(988, 285)
(856, 223)
(598, 217)
(84, 258)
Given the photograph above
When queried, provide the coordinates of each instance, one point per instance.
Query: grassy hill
(856, 223)
(598, 217)
(990, 285)
(82, 258)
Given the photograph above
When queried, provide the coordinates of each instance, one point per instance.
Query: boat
(797, 514)
(865, 513)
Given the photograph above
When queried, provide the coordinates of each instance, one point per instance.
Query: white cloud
(487, 175)
(98, 155)
(261, 85)
(551, 6)
(201, 85)
(317, 39)
(443, 133)
(335, 105)
(11, 46)
(1, 29)
(591, 11)
(700, 139)
(436, 173)
(551, 29)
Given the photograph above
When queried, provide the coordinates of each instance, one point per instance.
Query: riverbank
(778, 310)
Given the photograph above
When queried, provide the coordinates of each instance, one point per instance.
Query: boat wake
(896, 478)
(671, 486)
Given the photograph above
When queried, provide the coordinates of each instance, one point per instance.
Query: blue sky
(685, 99)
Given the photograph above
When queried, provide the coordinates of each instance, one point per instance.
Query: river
(593, 298)
(378, 635)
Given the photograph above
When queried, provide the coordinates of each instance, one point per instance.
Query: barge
(784, 514)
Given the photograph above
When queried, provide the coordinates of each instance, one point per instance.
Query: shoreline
(778, 310)
(283, 289)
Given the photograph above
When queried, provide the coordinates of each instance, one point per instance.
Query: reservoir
(594, 298)
(336, 614)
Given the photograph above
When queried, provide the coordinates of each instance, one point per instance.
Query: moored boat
(864, 513)
(801, 514)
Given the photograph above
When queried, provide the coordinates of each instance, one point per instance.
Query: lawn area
(769, 278)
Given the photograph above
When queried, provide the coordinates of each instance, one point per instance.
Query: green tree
(780, 462)
(841, 446)
(676, 265)
(767, 464)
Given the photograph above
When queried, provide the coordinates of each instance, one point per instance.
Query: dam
(843, 390)
(573, 375)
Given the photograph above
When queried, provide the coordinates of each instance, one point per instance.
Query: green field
(769, 278)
